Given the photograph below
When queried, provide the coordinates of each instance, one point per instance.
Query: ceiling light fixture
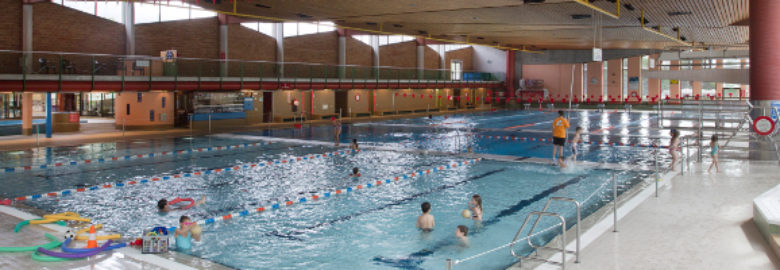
(678, 13)
(580, 16)
(262, 6)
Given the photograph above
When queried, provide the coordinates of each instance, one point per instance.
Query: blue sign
(773, 113)
(248, 104)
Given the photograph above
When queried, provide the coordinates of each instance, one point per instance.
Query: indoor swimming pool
(325, 217)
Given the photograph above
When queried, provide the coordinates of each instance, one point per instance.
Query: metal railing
(563, 250)
(32, 65)
(576, 252)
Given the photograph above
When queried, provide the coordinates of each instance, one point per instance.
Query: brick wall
(466, 55)
(10, 35)
(402, 54)
(247, 44)
(358, 53)
(198, 38)
(58, 28)
(432, 58)
(314, 48)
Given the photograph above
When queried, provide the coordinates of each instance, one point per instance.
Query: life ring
(178, 200)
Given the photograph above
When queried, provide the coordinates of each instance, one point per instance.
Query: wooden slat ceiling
(512, 23)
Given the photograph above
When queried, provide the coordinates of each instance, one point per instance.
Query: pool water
(371, 228)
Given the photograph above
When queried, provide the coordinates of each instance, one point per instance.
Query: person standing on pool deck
(674, 146)
(714, 153)
(560, 125)
(336, 129)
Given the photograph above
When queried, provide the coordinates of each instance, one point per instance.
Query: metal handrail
(531, 257)
(577, 225)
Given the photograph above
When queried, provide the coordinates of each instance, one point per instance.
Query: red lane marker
(139, 156)
(359, 186)
(338, 191)
(396, 178)
(52, 194)
(114, 158)
(314, 197)
(236, 168)
(218, 170)
(260, 209)
(81, 189)
(519, 126)
(298, 159)
(176, 175)
(87, 161)
(228, 216)
(27, 168)
(603, 129)
(156, 179)
(131, 182)
(57, 164)
(378, 182)
(165, 152)
(107, 186)
(289, 203)
(253, 165)
(20, 198)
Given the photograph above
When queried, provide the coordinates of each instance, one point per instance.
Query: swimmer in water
(475, 204)
(425, 221)
(355, 172)
(164, 206)
(185, 233)
(461, 233)
(354, 145)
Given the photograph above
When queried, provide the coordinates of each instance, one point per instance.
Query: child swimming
(354, 145)
(425, 221)
(164, 206)
(461, 233)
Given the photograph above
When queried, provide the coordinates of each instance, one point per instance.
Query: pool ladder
(535, 256)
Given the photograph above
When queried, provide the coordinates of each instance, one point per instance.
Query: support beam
(223, 48)
(27, 35)
(510, 75)
(279, 37)
(342, 54)
(128, 19)
(27, 104)
(420, 60)
(764, 70)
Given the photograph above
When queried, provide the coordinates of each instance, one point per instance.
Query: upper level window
(262, 27)
(104, 9)
(292, 29)
(144, 12)
(456, 67)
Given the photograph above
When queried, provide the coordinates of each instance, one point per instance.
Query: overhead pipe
(678, 40)
(615, 15)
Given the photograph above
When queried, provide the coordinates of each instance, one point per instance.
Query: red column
(764, 54)
(510, 74)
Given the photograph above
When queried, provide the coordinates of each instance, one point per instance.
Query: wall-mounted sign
(168, 56)
(633, 83)
(357, 98)
(597, 55)
(763, 125)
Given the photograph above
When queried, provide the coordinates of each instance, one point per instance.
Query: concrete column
(279, 37)
(764, 70)
(342, 54)
(595, 81)
(375, 50)
(635, 71)
(696, 85)
(674, 88)
(27, 36)
(128, 19)
(27, 104)
(615, 79)
(420, 60)
(744, 88)
(223, 48)
(509, 82)
(654, 85)
(442, 56)
(578, 89)
(719, 85)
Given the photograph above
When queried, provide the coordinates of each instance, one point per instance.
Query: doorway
(342, 102)
(183, 108)
(268, 107)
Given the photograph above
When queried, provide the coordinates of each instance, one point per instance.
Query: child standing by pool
(336, 129)
(425, 221)
(574, 142)
(714, 152)
(674, 146)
